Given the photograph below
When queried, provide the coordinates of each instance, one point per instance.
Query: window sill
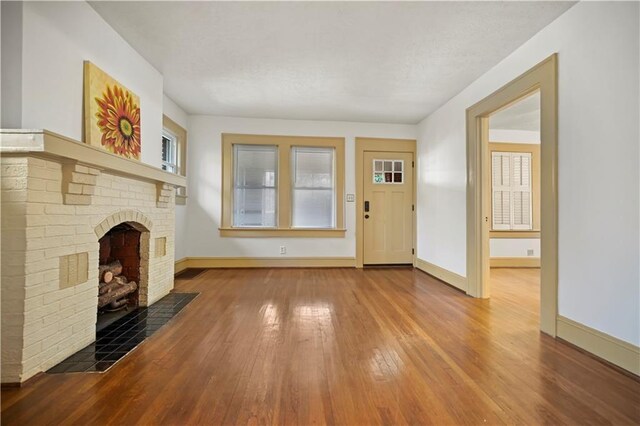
(289, 233)
(514, 234)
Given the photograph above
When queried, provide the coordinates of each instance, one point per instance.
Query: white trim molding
(451, 278)
(264, 262)
(514, 262)
(611, 349)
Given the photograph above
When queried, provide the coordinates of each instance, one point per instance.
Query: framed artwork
(111, 114)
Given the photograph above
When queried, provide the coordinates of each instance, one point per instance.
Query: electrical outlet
(529, 252)
(283, 249)
(351, 198)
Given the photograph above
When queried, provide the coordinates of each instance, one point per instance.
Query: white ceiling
(523, 115)
(392, 62)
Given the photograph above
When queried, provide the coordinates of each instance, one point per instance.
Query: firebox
(119, 273)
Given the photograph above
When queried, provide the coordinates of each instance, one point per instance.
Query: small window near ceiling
(170, 153)
(313, 187)
(255, 190)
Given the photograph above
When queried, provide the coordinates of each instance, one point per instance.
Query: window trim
(284, 185)
(534, 150)
(173, 128)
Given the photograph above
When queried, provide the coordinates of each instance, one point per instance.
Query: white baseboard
(611, 349)
(264, 262)
(451, 278)
(514, 262)
(181, 265)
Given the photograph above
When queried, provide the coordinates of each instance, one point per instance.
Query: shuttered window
(511, 191)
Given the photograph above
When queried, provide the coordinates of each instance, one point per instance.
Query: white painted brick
(53, 186)
(73, 199)
(44, 197)
(74, 188)
(56, 296)
(57, 230)
(32, 350)
(68, 229)
(59, 209)
(83, 178)
(53, 165)
(34, 208)
(88, 189)
(45, 173)
(9, 184)
(37, 184)
(17, 170)
(14, 196)
(36, 162)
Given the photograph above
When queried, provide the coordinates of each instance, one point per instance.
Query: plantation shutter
(521, 191)
(501, 190)
(511, 191)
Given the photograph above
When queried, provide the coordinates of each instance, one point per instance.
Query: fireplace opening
(119, 274)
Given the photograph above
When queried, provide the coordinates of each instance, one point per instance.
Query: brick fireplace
(60, 199)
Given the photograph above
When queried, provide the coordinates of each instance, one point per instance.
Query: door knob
(366, 216)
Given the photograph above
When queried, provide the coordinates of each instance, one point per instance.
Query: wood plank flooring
(341, 346)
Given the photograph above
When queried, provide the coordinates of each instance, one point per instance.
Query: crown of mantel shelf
(49, 144)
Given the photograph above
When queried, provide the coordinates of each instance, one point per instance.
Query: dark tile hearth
(120, 337)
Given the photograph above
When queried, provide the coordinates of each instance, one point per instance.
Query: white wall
(57, 38)
(177, 114)
(174, 112)
(203, 205)
(514, 136)
(11, 99)
(599, 244)
(514, 247)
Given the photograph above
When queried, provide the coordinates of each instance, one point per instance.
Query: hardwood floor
(341, 346)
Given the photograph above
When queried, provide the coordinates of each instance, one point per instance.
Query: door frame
(379, 145)
(541, 77)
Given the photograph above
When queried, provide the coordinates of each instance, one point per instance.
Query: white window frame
(169, 165)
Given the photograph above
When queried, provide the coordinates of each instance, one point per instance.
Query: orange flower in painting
(119, 121)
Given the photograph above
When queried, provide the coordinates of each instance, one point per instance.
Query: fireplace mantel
(43, 143)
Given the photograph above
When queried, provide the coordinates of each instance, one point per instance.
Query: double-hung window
(255, 186)
(174, 153)
(313, 195)
(170, 153)
(282, 186)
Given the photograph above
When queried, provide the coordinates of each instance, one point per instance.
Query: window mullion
(284, 185)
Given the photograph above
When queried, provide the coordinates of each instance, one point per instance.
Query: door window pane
(388, 171)
(255, 186)
(313, 191)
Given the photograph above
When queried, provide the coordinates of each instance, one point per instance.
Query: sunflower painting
(112, 114)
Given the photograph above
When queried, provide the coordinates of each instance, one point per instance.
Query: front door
(388, 208)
